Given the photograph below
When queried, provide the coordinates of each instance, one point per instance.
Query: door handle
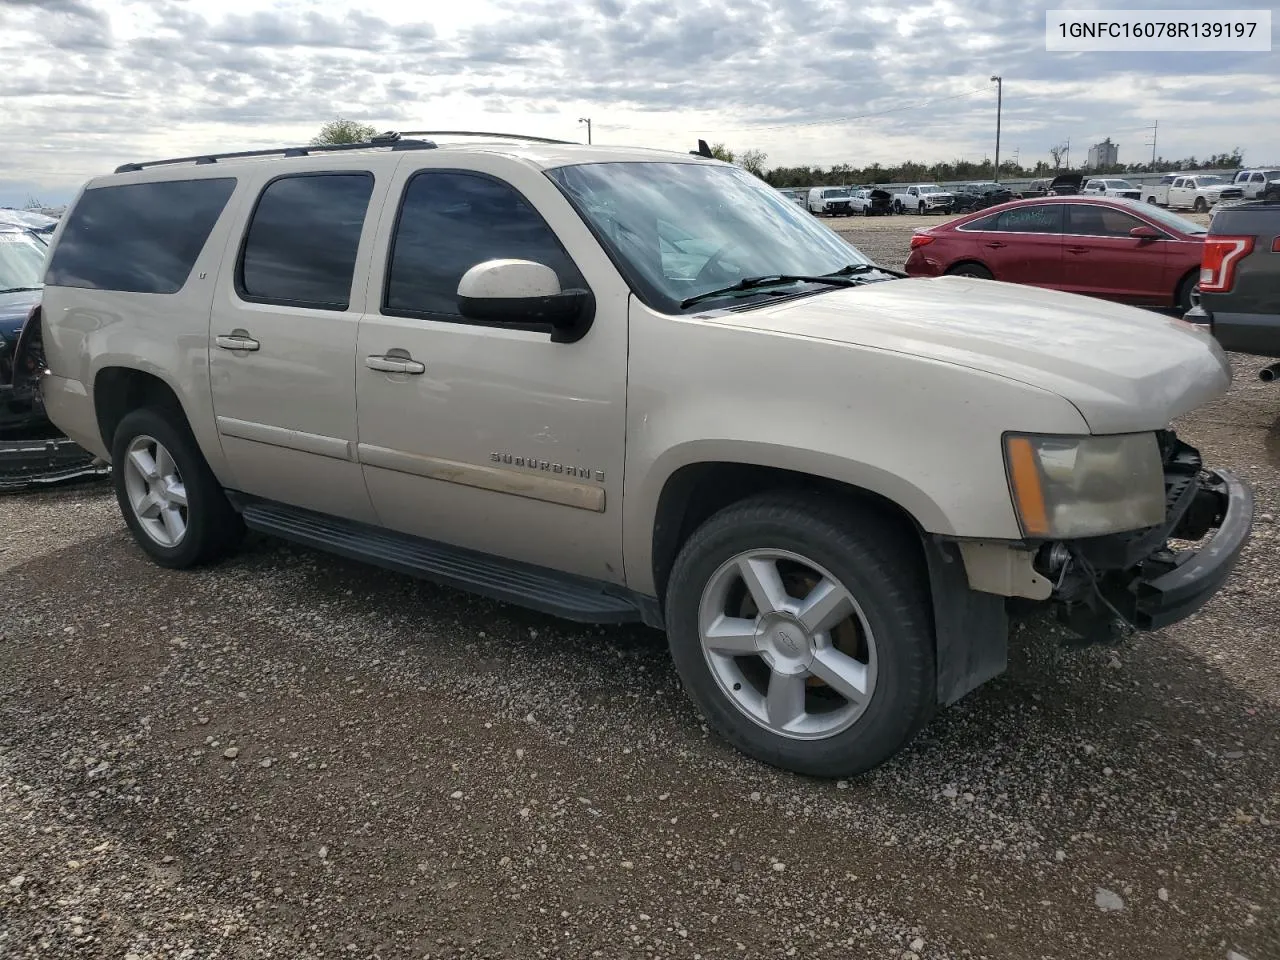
(1077, 249)
(389, 364)
(237, 341)
(996, 244)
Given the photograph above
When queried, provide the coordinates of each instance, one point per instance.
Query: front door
(1101, 259)
(493, 437)
(282, 340)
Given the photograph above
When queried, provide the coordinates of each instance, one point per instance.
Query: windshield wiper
(18, 289)
(858, 268)
(750, 283)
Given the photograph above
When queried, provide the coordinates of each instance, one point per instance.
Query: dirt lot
(293, 756)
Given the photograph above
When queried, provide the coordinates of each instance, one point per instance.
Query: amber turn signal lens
(1024, 478)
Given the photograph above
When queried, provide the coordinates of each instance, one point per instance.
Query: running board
(547, 591)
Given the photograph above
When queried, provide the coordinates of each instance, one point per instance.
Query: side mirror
(1144, 233)
(524, 293)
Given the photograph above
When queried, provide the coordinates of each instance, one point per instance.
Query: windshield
(676, 230)
(1168, 218)
(838, 194)
(930, 189)
(1210, 181)
(21, 261)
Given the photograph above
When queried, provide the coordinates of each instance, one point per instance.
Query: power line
(861, 116)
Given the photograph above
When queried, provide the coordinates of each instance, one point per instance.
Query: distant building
(1104, 154)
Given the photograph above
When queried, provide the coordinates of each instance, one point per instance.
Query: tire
(921, 210)
(210, 526)
(1182, 297)
(975, 270)
(1200, 205)
(845, 547)
(1151, 200)
(897, 206)
(866, 211)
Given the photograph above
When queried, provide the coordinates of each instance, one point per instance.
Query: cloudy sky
(88, 84)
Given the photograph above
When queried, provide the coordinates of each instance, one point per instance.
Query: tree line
(842, 174)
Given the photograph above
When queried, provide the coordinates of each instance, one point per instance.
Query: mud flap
(971, 629)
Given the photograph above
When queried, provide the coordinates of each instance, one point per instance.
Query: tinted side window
(138, 237)
(1039, 218)
(1099, 221)
(982, 223)
(448, 223)
(300, 248)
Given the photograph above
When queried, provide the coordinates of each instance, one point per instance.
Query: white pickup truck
(1198, 192)
(923, 198)
(1254, 183)
(1158, 193)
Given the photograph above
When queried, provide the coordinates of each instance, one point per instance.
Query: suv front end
(1112, 521)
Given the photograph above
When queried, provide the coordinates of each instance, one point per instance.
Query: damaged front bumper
(1157, 576)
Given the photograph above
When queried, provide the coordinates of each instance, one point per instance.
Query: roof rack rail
(484, 133)
(390, 139)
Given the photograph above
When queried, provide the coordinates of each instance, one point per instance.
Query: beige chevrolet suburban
(627, 385)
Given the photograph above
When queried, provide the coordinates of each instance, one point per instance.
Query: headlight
(1069, 487)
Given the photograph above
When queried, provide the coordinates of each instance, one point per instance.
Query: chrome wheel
(156, 491)
(787, 644)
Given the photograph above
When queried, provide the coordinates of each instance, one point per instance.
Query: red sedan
(1118, 249)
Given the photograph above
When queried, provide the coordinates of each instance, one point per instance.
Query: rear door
(1022, 244)
(1178, 193)
(282, 338)
(1101, 259)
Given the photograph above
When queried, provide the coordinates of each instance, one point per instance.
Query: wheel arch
(969, 262)
(970, 628)
(695, 491)
(119, 390)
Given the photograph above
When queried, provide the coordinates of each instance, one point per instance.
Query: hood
(14, 308)
(1123, 368)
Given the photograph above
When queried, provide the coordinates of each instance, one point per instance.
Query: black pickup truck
(1239, 292)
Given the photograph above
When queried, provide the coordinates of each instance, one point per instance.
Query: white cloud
(88, 84)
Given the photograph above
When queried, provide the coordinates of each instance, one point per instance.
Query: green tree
(752, 161)
(340, 130)
(721, 152)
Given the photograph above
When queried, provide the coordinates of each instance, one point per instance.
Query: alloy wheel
(156, 491)
(788, 644)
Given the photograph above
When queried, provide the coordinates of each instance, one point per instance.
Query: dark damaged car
(32, 451)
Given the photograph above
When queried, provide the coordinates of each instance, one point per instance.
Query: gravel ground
(294, 756)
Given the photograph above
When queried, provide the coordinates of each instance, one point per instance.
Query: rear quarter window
(138, 237)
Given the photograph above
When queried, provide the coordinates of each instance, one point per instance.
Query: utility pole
(587, 121)
(999, 82)
(1068, 153)
(1155, 127)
